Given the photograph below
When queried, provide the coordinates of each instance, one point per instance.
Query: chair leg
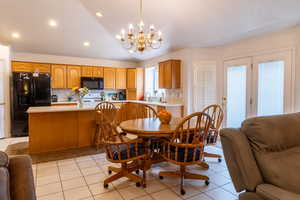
(203, 164)
(212, 155)
(182, 175)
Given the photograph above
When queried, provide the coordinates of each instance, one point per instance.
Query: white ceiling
(184, 23)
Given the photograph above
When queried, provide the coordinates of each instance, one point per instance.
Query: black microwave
(92, 83)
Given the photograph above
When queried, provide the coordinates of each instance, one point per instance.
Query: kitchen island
(57, 128)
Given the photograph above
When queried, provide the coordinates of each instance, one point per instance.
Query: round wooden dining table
(149, 127)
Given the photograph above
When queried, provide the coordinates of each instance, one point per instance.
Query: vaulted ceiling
(184, 23)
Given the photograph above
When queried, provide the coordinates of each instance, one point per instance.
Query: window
(151, 81)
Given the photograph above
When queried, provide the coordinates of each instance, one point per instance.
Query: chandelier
(139, 38)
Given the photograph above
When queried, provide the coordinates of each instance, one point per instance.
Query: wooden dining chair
(217, 115)
(110, 111)
(186, 147)
(127, 152)
(130, 111)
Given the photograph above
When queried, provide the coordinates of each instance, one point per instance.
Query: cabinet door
(109, 77)
(168, 75)
(131, 78)
(41, 67)
(58, 73)
(21, 67)
(87, 71)
(73, 76)
(98, 72)
(161, 75)
(131, 94)
(121, 78)
(176, 74)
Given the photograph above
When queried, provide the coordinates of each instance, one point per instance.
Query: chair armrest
(273, 192)
(240, 160)
(21, 178)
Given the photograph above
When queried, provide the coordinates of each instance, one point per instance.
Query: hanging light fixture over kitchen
(140, 38)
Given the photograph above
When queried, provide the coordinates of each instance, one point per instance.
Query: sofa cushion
(273, 133)
(281, 168)
(4, 184)
(3, 159)
(271, 192)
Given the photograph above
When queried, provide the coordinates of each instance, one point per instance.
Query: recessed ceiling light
(99, 14)
(86, 44)
(15, 35)
(52, 23)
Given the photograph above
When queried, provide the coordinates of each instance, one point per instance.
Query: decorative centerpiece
(80, 92)
(164, 116)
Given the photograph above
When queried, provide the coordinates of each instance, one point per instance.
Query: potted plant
(80, 92)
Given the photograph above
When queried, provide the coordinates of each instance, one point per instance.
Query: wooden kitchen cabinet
(109, 77)
(169, 74)
(58, 76)
(30, 67)
(135, 84)
(73, 76)
(98, 72)
(121, 78)
(87, 71)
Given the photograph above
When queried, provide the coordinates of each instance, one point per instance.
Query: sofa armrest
(240, 160)
(21, 178)
(272, 192)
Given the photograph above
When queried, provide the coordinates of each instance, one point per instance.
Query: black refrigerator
(29, 89)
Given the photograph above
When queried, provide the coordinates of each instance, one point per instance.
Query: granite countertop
(89, 106)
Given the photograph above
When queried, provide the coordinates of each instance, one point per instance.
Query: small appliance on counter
(29, 89)
(122, 95)
(54, 98)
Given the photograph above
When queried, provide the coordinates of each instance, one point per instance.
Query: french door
(257, 86)
(2, 102)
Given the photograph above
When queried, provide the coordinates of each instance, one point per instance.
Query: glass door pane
(270, 94)
(236, 95)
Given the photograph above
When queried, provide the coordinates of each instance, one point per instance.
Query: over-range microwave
(92, 83)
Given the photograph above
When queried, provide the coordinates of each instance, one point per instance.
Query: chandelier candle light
(138, 38)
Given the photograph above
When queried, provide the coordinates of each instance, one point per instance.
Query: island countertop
(91, 106)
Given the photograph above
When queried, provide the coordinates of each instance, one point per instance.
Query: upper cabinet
(169, 74)
(73, 76)
(135, 83)
(121, 78)
(109, 77)
(58, 76)
(30, 67)
(87, 71)
(98, 72)
(131, 78)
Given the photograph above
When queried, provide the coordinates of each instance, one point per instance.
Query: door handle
(224, 101)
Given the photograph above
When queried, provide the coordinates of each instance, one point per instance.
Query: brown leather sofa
(263, 157)
(16, 178)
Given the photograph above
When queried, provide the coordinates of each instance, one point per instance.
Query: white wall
(46, 58)
(5, 55)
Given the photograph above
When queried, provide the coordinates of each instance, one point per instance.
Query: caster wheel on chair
(138, 184)
(161, 177)
(144, 185)
(182, 192)
(137, 171)
(109, 172)
(219, 160)
(207, 182)
(105, 186)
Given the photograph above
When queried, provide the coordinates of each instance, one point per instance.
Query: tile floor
(82, 178)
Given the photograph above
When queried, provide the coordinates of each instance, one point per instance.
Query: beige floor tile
(200, 197)
(190, 190)
(122, 183)
(114, 195)
(77, 193)
(48, 189)
(230, 188)
(50, 171)
(47, 179)
(95, 178)
(99, 156)
(56, 196)
(66, 168)
(170, 181)
(99, 189)
(154, 186)
(147, 197)
(46, 165)
(219, 179)
(83, 158)
(220, 194)
(70, 175)
(132, 192)
(200, 185)
(87, 164)
(165, 195)
(91, 170)
(66, 162)
(73, 183)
